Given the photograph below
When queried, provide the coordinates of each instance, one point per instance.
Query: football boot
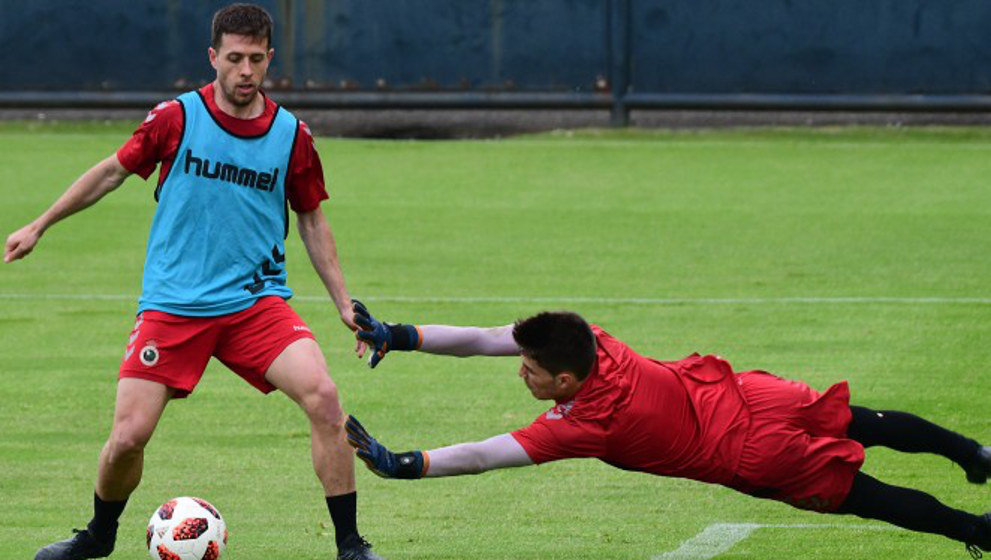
(979, 469)
(80, 546)
(983, 542)
(355, 547)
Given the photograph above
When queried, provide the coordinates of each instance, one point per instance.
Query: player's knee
(128, 440)
(322, 404)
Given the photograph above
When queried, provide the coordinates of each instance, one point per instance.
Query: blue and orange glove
(378, 458)
(383, 337)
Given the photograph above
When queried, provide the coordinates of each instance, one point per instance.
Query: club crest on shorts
(149, 354)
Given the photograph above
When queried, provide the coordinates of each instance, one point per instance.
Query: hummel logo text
(230, 173)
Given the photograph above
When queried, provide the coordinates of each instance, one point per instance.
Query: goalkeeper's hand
(371, 331)
(383, 337)
(378, 458)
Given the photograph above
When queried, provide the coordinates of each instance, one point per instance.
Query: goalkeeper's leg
(909, 433)
(911, 509)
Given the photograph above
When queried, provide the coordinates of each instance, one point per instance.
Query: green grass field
(819, 255)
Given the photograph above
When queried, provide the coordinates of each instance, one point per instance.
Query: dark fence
(618, 54)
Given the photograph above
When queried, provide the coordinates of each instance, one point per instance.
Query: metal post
(618, 33)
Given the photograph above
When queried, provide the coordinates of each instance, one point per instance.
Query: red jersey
(157, 140)
(695, 418)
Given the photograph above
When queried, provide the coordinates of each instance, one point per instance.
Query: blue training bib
(217, 242)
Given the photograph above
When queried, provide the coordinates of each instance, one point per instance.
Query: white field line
(720, 537)
(571, 300)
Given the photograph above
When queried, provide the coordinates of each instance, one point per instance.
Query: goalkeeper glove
(378, 458)
(383, 337)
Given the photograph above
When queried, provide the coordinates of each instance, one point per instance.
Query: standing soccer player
(232, 163)
(693, 418)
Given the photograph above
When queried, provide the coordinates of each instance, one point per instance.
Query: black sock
(344, 514)
(911, 509)
(103, 526)
(906, 432)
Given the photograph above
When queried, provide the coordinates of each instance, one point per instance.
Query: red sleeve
(304, 185)
(156, 140)
(552, 437)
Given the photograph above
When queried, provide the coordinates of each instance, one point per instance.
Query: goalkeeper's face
(241, 62)
(545, 386)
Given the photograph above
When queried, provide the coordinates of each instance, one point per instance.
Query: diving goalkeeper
(693, 418)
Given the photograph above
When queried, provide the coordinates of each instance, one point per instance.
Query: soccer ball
(186, 529)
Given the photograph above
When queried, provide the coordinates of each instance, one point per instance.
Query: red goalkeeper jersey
(695, 418)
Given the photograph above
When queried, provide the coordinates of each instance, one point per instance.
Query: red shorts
(796, 450)
(173, 350)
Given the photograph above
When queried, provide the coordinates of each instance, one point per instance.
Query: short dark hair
(242, 19)
(558, 341)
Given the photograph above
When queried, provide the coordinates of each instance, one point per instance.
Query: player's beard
(237, 100)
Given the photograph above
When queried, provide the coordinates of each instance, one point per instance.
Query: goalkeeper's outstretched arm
(499, 452)
(433, 339)
(467, 341)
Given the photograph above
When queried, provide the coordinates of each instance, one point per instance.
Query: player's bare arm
(320, 246)
(90, 187)
(499, 452)
(433, 339)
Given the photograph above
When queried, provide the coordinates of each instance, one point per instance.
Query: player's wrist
(404, 337)
(41, 224)
(343, 304)
(410, 465)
